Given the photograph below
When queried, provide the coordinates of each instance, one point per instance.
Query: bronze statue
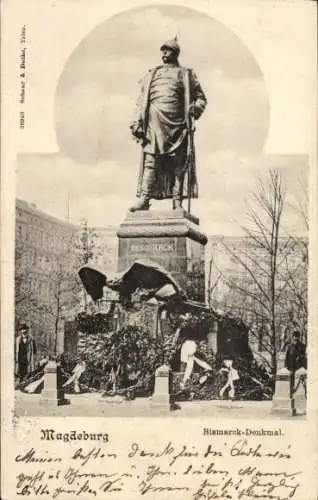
(171, 99)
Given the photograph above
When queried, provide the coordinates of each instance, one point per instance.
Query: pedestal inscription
(170, 238)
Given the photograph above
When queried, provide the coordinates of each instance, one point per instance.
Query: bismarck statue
(171, 100)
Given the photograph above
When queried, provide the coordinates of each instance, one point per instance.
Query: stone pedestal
(161, 399)
(52, 393)
(300, 396)
(170, 238)
(283, 401)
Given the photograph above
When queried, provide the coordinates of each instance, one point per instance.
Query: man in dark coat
(171, 99)
(25, 352)
(296, 358)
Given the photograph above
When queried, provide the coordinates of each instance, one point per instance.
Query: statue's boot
(147, 183)
(141, 204)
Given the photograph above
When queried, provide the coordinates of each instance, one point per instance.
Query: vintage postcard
(159, 250)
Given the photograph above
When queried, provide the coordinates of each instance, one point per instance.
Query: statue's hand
(136, 130)
(194, 111)
(138, 133)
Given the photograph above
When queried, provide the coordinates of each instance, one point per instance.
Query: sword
(190, 155)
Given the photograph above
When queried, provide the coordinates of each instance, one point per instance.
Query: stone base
(162, 401)
(53, 402)
(300, 391)
(53, 398)
(161, 398)
(52, 393)
(283, 402)
(172, 239)
(284, 405)
(300, 405)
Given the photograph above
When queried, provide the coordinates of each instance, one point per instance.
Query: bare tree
(85, 243)
(296, 275)
(260, 260)
(212, 281)
(47, 288)
(64, 294)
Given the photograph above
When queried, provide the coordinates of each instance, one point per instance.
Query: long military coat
(193, 94)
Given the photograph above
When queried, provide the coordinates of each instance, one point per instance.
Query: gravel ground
(93, 405)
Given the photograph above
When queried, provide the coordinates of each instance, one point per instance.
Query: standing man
(171, 99)
(296, 358)
(25, 352)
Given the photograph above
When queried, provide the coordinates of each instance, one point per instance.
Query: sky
(96, 94)
(95, 163)
(102, 196)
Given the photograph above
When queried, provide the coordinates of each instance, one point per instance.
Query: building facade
(48, 254)
(42, 244)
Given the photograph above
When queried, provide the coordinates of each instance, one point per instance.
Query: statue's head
(170, 51)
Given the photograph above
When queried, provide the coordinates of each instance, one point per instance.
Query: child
(232, 376)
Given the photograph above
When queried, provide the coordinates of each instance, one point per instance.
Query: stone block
(161, 398)
(300, 391)
(283, 401)
(52, 393)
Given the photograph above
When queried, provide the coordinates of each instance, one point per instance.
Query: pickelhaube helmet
(171, 44)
